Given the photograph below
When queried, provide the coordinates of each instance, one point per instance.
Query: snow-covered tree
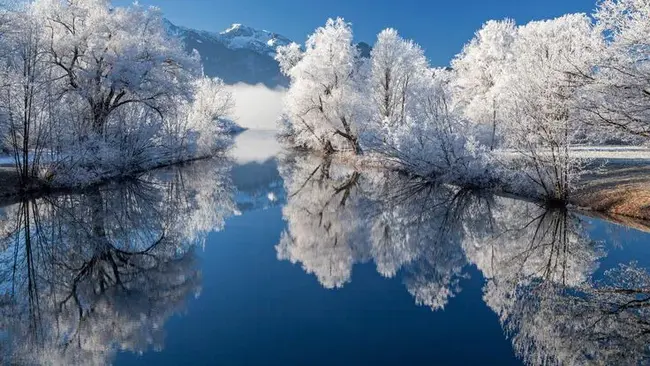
(618, 95)
(324, 109)
(288, 56)
(90, 91)
(479, 71)
(539, 101)
(200, 121)
(436, 141)
(111, 57)
(397, 70)
(26, 89)
(392, 104)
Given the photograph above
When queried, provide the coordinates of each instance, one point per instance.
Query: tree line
(509, 109)
(89, 91)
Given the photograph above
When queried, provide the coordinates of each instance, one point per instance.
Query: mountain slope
(239, 54)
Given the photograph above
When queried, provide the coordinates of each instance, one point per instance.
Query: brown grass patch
(624, 191)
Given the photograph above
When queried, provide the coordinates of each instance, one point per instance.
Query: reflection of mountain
(259, 185)
(539, 264)
(238, 54)
(83, 276)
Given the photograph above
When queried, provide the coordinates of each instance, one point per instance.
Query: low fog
(257, 107)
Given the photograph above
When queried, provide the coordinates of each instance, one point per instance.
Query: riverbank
(618, 183)
(11, 191)
(617, 190)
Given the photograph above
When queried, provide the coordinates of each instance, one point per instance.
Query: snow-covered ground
(612, 152)
(618, 155)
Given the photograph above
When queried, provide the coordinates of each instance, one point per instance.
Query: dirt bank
(617, 190)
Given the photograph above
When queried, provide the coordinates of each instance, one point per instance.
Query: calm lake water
(270, 258)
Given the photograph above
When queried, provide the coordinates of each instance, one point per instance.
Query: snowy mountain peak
(237, 36)
(237, 54)
(233, 28)
(240, 36)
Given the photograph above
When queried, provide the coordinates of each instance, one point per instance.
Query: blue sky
(440, 27)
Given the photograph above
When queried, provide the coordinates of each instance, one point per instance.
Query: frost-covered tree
(392, 104)
(436, 142)
(288, 56)
(201, 121)
(324, 109)
(479, 71)
(397, 70)
(110, 57)
(26, 88)
(539, 102)
(90, 91)
(618, 95)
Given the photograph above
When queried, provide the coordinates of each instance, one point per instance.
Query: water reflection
(85, 275)
(539, 264)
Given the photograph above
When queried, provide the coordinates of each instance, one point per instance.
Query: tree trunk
(99, 120)
(352, 139)
(328, 148)
(494, 125)
(97, 216)
(355, 146)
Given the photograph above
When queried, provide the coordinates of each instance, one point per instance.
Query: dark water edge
(11, 191)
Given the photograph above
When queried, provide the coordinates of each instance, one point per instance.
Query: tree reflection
(86, 275)
(539, 263)
(599, 322)
(337, 217)
(324, 227)
(417, 228)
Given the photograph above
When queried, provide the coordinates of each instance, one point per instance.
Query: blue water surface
(288, 259)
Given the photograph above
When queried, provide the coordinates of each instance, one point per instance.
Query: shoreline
(622, 191)
(11, 192)
(618, 193)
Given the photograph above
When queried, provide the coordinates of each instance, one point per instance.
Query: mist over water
(255, 146)
(257, 106)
